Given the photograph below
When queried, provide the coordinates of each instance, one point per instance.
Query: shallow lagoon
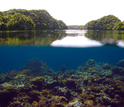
(71, 68)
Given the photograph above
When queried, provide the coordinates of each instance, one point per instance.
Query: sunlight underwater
(78, 41)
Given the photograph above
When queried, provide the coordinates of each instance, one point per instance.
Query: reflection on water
(84, 38)
(77, 41)
(120, 43)
(62, 38)
(76, 32)
(107, 37)
(34, 37)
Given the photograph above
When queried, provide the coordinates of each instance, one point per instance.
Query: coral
(90, 85)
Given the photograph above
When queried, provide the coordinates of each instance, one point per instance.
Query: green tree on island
(21, 19)
(104, 23)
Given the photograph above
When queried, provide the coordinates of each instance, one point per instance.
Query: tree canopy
(21, 19)
(119, 26)
(104, 23)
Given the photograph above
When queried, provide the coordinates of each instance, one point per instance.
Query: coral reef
(36, 85)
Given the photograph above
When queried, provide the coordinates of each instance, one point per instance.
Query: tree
(62, 25)
(119, 26)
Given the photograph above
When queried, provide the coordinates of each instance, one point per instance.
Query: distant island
(21, 19)
(109, 22)
(74, 26)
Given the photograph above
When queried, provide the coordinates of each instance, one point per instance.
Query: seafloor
(37, 85)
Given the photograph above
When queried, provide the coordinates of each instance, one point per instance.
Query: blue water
(15, 57)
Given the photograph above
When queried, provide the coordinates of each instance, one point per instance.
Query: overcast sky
(72, 12)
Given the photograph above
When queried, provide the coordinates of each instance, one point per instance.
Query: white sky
(72, 12)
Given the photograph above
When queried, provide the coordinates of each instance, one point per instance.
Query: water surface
(71, 48)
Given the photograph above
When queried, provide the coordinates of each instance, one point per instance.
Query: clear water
(71, 48)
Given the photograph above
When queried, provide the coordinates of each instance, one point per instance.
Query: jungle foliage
(21, 19)
(109, 22)
(119, 26)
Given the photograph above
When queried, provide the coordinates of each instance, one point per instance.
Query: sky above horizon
(72, 12)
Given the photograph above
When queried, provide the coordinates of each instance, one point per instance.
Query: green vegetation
(75, 26)
(119, 26)
(20, 19)
(109, 22)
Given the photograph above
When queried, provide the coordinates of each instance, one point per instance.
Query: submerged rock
(70, 83)
(37, 68)
(38, 82)
(121, 63)
(91, 62)
(106, 66)
(118, 70)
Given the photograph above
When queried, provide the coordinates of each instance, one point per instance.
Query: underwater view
(62, 68)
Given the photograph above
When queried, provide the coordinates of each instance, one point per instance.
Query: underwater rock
(38, 82)
(75, 76)
(63, 69)
(116, 103)
(37, 68)
(118, 70)
(106, 100)
(121, 63)
(98, 67)
(6, 85)
(4, 78)
(54, 101)
(117, 97)
(98, 80)
(91, 62)
(63, 91)
(75, 104)
(52, 84)
(108, 81)
(70, 83)
(106, 66)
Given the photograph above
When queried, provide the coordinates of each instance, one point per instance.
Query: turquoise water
(16, 50)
